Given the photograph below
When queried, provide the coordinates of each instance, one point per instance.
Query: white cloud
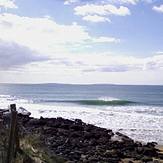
(91, 68)
(103, 63)
(158, 8)
(153, 63)
(7, 4)
(96, 18)
(91, 9)
(106, 39)
(111, 63)
(68, 2)
(129, 1)
(159, 52)
(99, 13)
(133, 2)
(45, 36)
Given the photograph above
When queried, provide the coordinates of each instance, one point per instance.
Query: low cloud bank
(12, 54)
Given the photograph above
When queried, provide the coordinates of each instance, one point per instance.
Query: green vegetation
(31, 146)
(31, 150)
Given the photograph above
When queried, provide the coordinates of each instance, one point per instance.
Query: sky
(81, 41)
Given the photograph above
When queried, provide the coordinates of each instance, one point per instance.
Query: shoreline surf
(136, 111)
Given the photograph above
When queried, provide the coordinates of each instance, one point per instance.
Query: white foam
(5, 96)
(142, 123)
(140, 126)
(6, 100)
(108, 99)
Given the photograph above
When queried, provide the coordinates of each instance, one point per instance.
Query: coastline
(141, 127)
(140, 121)
(76, 141)
(58, 140)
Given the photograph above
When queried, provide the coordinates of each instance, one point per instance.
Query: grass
(32, 146)
(31, 149)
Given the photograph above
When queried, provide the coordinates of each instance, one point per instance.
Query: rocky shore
(77, 142)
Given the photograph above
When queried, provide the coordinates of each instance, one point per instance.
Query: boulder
(23, 111)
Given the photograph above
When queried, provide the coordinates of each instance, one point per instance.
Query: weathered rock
(160, 155)
(23, 111)
(78, 142)
(146, 159)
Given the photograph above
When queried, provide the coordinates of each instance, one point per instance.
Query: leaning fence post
(11, 152)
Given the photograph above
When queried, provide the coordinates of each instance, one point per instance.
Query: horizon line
(46, 83)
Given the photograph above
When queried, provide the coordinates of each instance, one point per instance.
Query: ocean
(136, 111)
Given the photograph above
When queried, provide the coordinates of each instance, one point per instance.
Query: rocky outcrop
(76, 141)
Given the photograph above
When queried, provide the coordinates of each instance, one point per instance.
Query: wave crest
(108, 99)
(92, 102)
(104, 102)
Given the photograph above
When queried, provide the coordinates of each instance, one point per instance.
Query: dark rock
(151, 144)
(88, 135)
(150, 152)
(36, 122)
(23, 111)
(139, 150)
(75, 134)
(65, 126)
(77, 127)
(130, 161)
(78, 142)
(146, 159)
(79, 121)
(160, 155)
(156, 161)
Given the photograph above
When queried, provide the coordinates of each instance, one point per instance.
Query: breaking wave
(94, 102)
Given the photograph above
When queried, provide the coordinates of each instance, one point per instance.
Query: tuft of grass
(32, 147)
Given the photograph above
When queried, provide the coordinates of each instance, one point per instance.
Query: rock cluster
(76, 141)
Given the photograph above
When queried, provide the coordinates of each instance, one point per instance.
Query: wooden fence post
(11, 143)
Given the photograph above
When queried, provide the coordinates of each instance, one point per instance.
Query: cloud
(45, 35)
(91, 9)
(68, 2)
(91, 68)
(159, 52)
(106, 39)
(12, 54)
(133, 2)
(110, 68)
(158, 8)
(7, 4)
(35, 39)
(99, 13)
(127, 2)
(95, 18)
(153, 63)
(113, 63)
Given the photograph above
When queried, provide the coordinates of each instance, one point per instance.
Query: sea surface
(133, 110)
